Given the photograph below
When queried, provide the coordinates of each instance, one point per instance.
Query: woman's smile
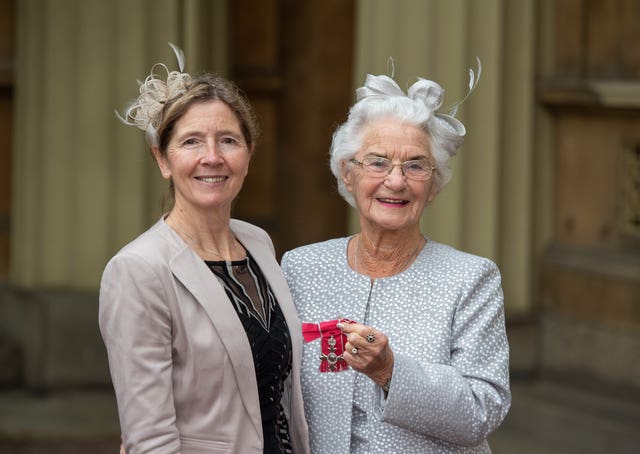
(393, 203)
(211, 179)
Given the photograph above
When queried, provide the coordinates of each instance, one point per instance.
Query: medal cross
(332, 358)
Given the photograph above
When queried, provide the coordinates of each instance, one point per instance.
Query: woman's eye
(378, 163)
(189, 142)
(229, 140)
(416, 166)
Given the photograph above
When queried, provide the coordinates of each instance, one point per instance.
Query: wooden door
(7, 52)
(294, 61)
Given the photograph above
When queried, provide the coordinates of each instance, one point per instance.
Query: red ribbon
(332, 343)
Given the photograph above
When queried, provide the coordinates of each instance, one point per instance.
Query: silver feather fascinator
(146, 111)
(446, 129)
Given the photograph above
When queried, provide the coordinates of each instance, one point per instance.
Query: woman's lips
(395, 202)
(211, 179)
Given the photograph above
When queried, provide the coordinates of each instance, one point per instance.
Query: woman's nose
(212, 154)
(396, 179)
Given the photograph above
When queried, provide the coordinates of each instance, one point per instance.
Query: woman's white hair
(381, 97)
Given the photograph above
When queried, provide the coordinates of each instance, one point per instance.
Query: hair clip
(146, 112)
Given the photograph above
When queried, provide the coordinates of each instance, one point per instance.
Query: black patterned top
(268, 335)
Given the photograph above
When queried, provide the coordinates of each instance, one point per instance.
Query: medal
(332, 357)
(332, 342)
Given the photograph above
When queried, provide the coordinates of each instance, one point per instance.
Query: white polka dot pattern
(444, 317)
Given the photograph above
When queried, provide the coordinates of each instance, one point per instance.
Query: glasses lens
(416, 169)
(376, 165)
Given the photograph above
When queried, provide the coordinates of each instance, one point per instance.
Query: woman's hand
(367, 350)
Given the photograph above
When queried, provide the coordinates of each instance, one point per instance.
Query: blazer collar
(194, 274)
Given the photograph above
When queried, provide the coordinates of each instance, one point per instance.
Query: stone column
(84, 184)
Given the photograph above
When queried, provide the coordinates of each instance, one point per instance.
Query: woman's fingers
(367, 350)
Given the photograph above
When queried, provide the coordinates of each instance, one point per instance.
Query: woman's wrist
(383, 378)
(385, 385)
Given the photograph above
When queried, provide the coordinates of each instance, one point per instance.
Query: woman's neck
(210, 237)
(385, 253)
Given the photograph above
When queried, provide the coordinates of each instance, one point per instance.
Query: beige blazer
(180, 362)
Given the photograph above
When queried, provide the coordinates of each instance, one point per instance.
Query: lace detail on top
(268, 335)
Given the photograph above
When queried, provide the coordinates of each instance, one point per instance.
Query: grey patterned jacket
(444, 317)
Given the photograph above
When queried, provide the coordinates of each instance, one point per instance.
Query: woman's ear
(346, 172)
(251, 150)
(433, 189)
(162, 163)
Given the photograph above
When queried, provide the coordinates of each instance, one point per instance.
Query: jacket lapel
(254, 241)
(265, 259)
(194, 274)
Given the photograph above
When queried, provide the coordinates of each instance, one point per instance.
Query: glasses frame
(393, 165)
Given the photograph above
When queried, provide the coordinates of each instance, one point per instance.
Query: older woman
(422, 323)
(202, 336)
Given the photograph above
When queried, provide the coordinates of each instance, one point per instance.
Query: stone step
(55, 446)
(68, 422)
(562, 419)
(544, 418)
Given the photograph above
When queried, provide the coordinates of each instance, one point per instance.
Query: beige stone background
(547, 183)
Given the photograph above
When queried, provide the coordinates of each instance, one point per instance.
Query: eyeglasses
(376, 166)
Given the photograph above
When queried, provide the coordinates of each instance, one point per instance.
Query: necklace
(403, 266)
(198, 246)
(355, 255)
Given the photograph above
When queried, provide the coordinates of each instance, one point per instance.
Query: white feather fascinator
(445, 128)
(146, 111)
